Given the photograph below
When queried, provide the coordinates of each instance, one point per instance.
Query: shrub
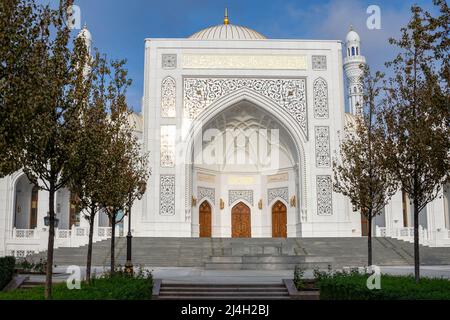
(6, 270)
(352, 286)
(31, 266)
(299, 282)
(119, 286)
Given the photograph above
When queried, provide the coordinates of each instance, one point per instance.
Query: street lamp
(47, 220)
(129, 263)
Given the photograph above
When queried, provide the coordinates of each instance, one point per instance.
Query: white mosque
(241, 131)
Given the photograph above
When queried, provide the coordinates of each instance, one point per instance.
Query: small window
(348, 50)
(357, 51)
(353, 51)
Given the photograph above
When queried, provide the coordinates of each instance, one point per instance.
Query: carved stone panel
(167, 150)
(319, 62)
(320, 92)
(274, 193)
(244, 61)
(208, 193)
(169, 61)
(235, 195)
(289, 94)
(168, 98)
(322, 137)
(324, 196)
(278, 177)
(167, 195)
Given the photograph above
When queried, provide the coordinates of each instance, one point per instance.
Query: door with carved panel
(205, 220)
(279, 220)
(240, 221)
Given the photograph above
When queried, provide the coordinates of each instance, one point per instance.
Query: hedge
(116, 287)
(6, 270)
(352, 286)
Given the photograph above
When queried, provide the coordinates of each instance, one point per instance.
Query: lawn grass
(353, 286)
(117, 287)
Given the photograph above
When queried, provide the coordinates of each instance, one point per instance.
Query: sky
(119, 27)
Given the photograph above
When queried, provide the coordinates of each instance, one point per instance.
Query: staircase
(253, 254)
(266, 262)
(184, 291)
(29, 284)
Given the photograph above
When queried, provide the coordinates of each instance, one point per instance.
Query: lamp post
(129, 263)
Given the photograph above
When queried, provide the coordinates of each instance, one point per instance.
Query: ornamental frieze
(289, 94)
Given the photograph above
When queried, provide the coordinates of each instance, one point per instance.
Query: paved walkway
(199, 275)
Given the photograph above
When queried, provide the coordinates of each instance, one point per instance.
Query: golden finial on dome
(225, 20)
(351, 27)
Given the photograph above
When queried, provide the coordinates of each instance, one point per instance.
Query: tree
(46, 147)
(94, 138)
(417, 114)
(125, 168)
(20, 53)
(125, 178)
(360, 172)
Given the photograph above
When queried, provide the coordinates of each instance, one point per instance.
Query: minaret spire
(225, 19)
(352, 66)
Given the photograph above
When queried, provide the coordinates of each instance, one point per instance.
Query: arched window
(353, 51)
(348, 50)
(357, 51)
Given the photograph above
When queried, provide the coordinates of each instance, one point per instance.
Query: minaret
(87, 37)
(353, 71)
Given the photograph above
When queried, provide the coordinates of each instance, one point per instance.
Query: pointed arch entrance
(241, 221)
(205, 220)
(26, 203)
(279, 220)
(233, 139)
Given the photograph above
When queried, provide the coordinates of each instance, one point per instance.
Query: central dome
(227, 32)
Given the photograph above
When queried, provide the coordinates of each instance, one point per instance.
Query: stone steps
(258, 253)
(266, 262)
(183, 291)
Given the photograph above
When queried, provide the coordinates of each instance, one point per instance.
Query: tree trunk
(89, 253)
(369, 239)
(416, 242)
(113, 237)
(51, 242)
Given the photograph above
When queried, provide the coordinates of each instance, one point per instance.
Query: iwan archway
(244, 159)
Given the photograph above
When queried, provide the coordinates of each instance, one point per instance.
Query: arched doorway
(279, 220)
(242, 142)
(240, 221)
(26, 204)
(205, 219)
(74, 215)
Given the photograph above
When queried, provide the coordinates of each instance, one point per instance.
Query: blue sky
(119, 27)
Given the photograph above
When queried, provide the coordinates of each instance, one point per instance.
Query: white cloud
(332, 21)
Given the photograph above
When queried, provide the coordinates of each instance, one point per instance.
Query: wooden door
(279, 220)
(364, 226)
(34, 207)
(72, 211)
(205, 220)
(405, 209)
(240, 221)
